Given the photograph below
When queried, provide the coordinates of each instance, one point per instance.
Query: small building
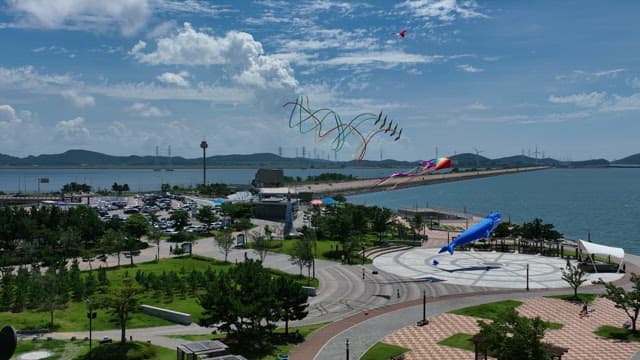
(268, 178)
(202, 350)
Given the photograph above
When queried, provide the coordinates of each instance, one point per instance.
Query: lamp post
(527, 277)
(347, 344)
(204, 146)
(91, 315)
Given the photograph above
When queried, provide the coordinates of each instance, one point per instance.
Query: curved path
(367, 328)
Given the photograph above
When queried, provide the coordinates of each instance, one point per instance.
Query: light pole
(204, 146)
(527, 277)
(91, 315)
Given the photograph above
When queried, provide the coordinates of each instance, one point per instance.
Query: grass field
(383, 351)
(489, 310)
(322, 249)
(616, 333)
(581, 297)
(73, 317)
(459, 341)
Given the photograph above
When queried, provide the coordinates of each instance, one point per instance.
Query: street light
(91, 315)
(204, 146)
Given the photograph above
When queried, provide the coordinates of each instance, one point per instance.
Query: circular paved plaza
(487, 269)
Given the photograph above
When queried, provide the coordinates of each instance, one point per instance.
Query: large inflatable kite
(327, 123)
(481, 230)
(425, 167)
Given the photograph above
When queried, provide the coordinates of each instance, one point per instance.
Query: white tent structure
(592, 249)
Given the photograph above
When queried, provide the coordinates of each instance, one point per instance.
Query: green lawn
(616, 333)
(73, 317)
(383, 351)
(60, 349)
(489, 310)
(322, 248)
(459, 341)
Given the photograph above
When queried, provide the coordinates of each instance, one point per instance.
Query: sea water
(601, 204)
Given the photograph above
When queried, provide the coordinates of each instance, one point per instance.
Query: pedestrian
(398, 292)
(170, 249)
(585, 310)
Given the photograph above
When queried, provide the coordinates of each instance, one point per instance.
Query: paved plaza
(577, 333)
(481, 268)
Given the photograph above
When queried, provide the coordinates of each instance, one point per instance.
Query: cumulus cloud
(237, 51)
(8, 116)
(468, 68)
(26, 77)
(179, 79)
(78, 100)
(84, 15)
(147, 110)
(583, 100)
(73, 131)
(444, 11)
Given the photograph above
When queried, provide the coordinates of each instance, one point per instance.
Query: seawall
(370, 185)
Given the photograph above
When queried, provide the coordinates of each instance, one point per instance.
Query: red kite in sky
(402, 33)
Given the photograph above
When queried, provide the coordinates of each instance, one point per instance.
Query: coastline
(369, 185)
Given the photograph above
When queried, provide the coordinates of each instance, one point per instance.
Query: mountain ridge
(92, 159)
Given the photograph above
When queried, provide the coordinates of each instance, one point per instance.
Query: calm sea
(604, 203)
(26, 180)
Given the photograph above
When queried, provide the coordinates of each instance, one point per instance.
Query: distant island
(92, 159)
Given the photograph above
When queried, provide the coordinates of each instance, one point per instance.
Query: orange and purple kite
(425, 167)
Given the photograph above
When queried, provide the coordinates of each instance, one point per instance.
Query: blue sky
(497, 77)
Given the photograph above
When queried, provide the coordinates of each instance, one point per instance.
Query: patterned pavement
(577, 334)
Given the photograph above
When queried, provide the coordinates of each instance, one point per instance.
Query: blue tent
(329, 201)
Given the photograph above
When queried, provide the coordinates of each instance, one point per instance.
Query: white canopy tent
(597, 249)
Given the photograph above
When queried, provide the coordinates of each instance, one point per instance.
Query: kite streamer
(326, 123)
(425, 167)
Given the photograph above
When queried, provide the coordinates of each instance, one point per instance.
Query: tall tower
(169, 167)
(204, 146)
(280, 151)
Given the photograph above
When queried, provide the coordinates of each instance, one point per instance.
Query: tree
(416, 225)
(260, 245)
(154, 236)
(206, 215)
(575, 277)
(180, 219)
(225, 242)
(380, 221)
(302, 254)
(113, 242)
(512, 336)
(293, 301)
(121, 302)
(629, 301)
(136, 226)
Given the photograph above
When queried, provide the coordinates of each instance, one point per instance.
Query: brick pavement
(577, 334)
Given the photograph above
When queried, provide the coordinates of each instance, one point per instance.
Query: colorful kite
(425, 167)
(326, 122)
(402, 33)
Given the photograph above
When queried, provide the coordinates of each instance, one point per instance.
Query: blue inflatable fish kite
(481, 230)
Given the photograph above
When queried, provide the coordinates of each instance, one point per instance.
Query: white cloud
(583, 100)
(468, 68)
(590, 75)
(393, 58)
(200, 92)
(477, 106)
(8, 116)
(85, 15)
(444, 11)
(624, 103)
(147, 110)
(179, 79)
(634, 82)
(237, 51)
(73, 131)
(78, 100)
(26, 77)
(189, 6)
